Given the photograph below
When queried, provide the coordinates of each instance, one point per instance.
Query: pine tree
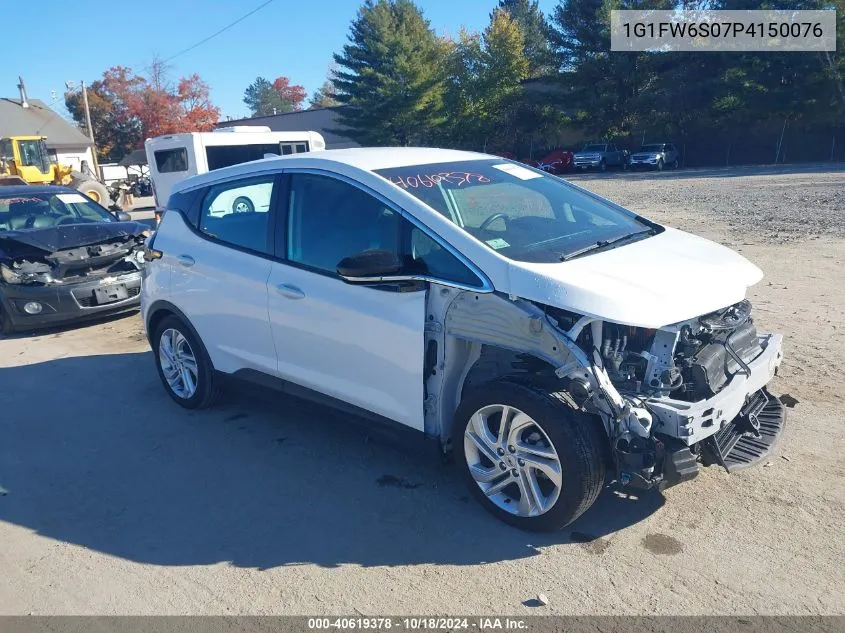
(391, 75)
(535, 30)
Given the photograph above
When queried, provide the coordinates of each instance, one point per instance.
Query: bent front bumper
(692, 422)
(61, 303)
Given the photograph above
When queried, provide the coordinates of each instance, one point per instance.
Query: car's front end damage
(69, 273)
(669, 399)
(672, 397)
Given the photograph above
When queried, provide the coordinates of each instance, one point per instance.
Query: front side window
(520, 213)
(169, 161)
(329, 219)
(237, 212)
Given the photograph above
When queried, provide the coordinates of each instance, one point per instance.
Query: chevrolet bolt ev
(539, 333)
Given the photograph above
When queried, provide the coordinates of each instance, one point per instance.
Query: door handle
(291, 292)
(186, 260)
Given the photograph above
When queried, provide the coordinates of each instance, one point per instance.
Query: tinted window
(171, 160)
(329, 219)
(301, 148)
(238, 212)
(225, 155)
(522, 214)
(426, 257)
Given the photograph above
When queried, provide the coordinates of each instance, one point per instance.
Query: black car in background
(63, 257)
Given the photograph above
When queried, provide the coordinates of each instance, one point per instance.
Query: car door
(360, 344)
(221, 260)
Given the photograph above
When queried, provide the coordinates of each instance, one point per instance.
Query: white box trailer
(174, 157)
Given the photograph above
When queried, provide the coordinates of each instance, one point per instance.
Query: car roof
(366, 158)
(20, 190)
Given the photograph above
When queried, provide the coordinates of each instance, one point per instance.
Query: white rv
(174, 157)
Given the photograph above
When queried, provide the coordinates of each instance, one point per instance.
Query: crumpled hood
(57, 238)
(664, 279)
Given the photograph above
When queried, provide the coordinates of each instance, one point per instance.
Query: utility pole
(90, 131)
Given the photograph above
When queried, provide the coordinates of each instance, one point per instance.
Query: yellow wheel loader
(25, 160)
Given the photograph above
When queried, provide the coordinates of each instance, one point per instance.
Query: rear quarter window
(171, 160)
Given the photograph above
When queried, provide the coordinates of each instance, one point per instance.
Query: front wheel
(526, 456)
(659, 164)
(675, 164)
(95, 190)
(602, 166)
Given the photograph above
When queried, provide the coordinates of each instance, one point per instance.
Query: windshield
(34, 211)
(521, 213)
(651, 148)
(34, 154)
(594, 148)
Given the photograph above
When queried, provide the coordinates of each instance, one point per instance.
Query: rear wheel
(183, 365)
(526, 456)
(95, 190)
(242, 204)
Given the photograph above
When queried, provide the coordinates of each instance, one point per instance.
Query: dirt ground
(115, 501)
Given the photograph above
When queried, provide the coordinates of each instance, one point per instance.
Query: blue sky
(295, 38)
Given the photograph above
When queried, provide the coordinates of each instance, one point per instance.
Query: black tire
(659, 164)
(207, 391)
(575, 436)
(242, 204)
(95, 190)
(602, 166)
(675, 164)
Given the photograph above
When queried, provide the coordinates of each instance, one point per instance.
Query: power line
(215, 34)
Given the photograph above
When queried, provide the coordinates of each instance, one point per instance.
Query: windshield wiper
(603, 244)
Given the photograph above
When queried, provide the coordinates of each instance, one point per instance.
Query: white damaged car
(539, 333)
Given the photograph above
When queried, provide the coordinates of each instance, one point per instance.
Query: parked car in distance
(601, 156)
(63, 257)
(655, 156)
(536, 331)
(559, 161)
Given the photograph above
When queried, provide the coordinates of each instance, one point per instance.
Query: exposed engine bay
(78, 264)
(668, 398)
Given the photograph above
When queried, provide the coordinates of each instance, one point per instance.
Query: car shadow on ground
(95, 454)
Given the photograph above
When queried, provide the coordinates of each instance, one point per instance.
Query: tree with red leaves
(265, 98)
(127, 108)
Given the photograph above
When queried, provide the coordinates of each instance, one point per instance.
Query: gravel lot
(115, 501)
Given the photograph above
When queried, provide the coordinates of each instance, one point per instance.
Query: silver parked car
(601, 156)
(655, 156)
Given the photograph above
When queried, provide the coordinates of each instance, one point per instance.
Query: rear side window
(225, 155)
(237, 213)
(171, 160)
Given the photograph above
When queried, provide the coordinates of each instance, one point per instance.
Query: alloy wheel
(178, 363)
(512, 460)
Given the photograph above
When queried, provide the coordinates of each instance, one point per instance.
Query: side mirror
(369, 266)
(122, 216)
